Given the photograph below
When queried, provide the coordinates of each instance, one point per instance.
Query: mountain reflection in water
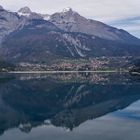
(62, 100)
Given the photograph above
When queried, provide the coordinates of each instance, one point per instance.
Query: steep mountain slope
(9, 21)
(71, 21)
(41, 41)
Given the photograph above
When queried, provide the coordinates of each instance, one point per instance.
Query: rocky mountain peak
(68, 9)
(68, 12)
(25, 10)
(64, 17)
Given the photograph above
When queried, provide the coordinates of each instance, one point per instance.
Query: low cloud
(131, 25)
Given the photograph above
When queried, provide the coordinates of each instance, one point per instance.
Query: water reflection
(62, 100)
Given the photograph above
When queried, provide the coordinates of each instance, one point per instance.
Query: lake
(70, 106)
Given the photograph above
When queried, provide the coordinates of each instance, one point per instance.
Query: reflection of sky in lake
(121, 125)
(132, 112)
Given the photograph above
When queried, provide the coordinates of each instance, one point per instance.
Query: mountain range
(27, 36)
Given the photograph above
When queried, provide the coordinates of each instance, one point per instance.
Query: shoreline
(41, 72)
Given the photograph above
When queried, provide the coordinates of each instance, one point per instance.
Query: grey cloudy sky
(120, 13)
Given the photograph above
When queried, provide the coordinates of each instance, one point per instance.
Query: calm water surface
(79, 106)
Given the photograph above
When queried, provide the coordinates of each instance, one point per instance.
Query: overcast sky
(120, 13)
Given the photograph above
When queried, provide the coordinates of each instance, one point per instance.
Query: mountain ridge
(72, 21)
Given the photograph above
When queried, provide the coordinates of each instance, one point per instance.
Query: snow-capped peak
(25, 10)
(68, 9)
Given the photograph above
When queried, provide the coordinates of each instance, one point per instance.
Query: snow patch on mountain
(24, 14)
(46, 17)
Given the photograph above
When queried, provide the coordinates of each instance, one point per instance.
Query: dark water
(80, 106)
